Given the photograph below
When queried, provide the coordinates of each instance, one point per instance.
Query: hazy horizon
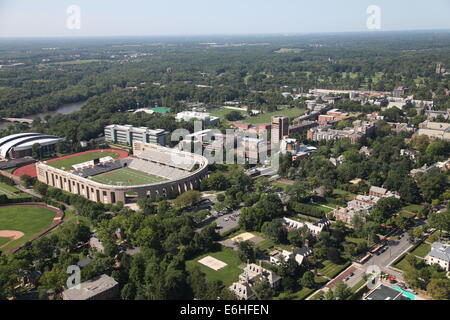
(178, 18)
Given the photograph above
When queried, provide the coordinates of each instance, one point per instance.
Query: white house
(315, 229)
(439, 254)
(280, 255)
(252, 274)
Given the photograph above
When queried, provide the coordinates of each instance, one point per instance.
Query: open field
(11, 192)
(422, 250)
(228, 275)
(267, 117)
(415, 208)
(403, 264)
(299, 295)
(222, 112)
(66, 163)
(27, 219)
(75, 62)
(127, 177)
(331, 269)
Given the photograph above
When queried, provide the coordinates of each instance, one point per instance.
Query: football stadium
(152, 171)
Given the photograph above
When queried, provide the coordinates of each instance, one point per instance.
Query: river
(65, 109)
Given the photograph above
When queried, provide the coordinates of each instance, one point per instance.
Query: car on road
(226, 219)
(412, 291)
(351, 274)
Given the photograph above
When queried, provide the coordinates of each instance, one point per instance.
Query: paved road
(383, 261)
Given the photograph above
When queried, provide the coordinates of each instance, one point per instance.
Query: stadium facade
(21, 145)
(182, 172)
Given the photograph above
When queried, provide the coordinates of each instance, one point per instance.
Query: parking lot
(228, 221)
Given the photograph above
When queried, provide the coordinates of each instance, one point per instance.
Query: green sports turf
(228, 275)
(127, 177)
(29, 220)
(67, 164)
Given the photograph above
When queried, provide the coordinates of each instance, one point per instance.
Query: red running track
(31, 169)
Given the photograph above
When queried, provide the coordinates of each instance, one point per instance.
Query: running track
(31, 169)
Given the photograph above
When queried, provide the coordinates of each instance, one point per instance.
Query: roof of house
(440, 251)
(384, 292)
(91, 288)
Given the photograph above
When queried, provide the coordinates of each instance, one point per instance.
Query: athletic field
(29, 220)
(127, 177)
(66, 163)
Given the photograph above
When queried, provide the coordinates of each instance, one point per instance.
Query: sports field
(66, 163)
(30, 220)
(127, 177)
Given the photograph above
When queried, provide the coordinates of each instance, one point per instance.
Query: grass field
(29, 220)
(11, 192)
(222, 112)
(66, 164)
(299, 295)
(413, 208)
(422, 250)
(228, 275)
(4, 241)
(267, 117)
(127, 177)
(331, 269)
(403, 264)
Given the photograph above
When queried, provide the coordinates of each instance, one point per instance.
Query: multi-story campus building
(360, 130)
(127, 134)
(206, 118)
(21, 145)
(252, 274)
(280, 128)
(434, 130)
(362, 205)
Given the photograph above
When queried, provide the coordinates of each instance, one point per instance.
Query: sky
(49, 18)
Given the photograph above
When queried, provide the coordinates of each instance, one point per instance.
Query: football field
(127, 177)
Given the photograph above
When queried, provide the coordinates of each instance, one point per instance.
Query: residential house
(439, 254)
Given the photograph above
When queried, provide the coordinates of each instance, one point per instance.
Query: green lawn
(127, 177)
(267, 117)
(357, 286)
(4, 241)
(228, 275)
(413, 208)
(299, 295)
(11, 192)
(222, 112)
(317, 295)
(66, 164)
(422, 250)
(331, 270)
(348, 195)
(29, 220)
(355, 240)
(402, 264)
(74, 62)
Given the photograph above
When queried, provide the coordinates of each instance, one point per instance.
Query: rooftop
(440, 251)
(91, 288)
